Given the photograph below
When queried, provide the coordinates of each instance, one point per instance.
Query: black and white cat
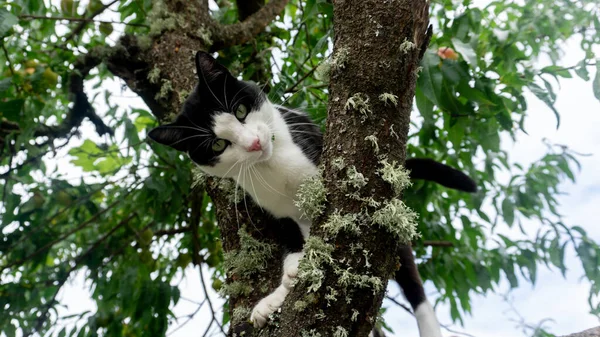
(230, 129)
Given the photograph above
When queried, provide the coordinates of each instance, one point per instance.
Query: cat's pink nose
(255, 146)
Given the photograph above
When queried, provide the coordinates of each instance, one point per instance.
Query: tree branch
(61, 18)
(42, 318)
(248, 7)
(81, 108)
(242, 32)
(593, 332)
(432, 243)
(81, 26)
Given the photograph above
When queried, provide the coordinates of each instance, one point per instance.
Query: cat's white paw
(267, 306)
(290, 269)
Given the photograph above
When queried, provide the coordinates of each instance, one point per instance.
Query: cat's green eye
(219, 145)
(241, 112)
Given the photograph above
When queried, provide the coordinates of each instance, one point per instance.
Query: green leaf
(596, 84)
(11, 110)
(5, 84)
(582, 71)
(7, 21)
(546, 98)
(557, 71)
(424, 105)
(10, 330)
(430, 79)
(142, 122)
(508, 211)
(466, 51)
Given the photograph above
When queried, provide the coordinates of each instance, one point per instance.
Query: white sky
(563, 300)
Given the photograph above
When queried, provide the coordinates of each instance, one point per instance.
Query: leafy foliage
(130, 222)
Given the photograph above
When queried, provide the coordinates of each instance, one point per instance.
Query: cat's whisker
(305, 132)
(231, 168)
(251, 170)
(225, 93)
(298, 124)
(209, 89)
(245, 202)
(234, 96)
(199, 127)
(235, 200)
(186, 138)
(235, 103)
(269, 186)
(205, 132)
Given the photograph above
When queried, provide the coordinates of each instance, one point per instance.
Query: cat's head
(223, 124)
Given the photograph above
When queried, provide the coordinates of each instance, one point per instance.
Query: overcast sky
(563, 300)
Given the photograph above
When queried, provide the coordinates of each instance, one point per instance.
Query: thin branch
(60, 18)
(242, 32)
(310, 72)
(433, 243)
(81, 108)
(67, 234)
(82, 24)
(10, 65)
(393, 300)
(165, 232)
(30, 160)
(57, 214)
(189, 317)
(42, 318)
(195, 218)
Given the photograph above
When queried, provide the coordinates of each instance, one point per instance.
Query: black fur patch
(305, 133)
(429, 169)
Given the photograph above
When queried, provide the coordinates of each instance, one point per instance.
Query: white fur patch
(427, 321)
(267, 306)
(290, 269)
(272, 303)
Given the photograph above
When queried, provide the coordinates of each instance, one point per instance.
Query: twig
(164, 232)
(29, 160)
(189, 317)
(49, 220)
(60, 18)
(195, 218)
(401, 305)
(10, 65)
(67, 234)
(82, 24)
(412, 314)
(242, 32)
(433, 243)
(291, 89)
(41, 319)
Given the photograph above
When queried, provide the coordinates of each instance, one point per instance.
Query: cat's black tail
(431, 170)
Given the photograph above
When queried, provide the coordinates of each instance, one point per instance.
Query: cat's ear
(172, 135)
(208, 69)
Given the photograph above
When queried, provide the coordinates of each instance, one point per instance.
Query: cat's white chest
(274, 187)
(274, 184)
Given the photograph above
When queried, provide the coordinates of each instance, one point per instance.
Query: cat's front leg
(272, 303)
